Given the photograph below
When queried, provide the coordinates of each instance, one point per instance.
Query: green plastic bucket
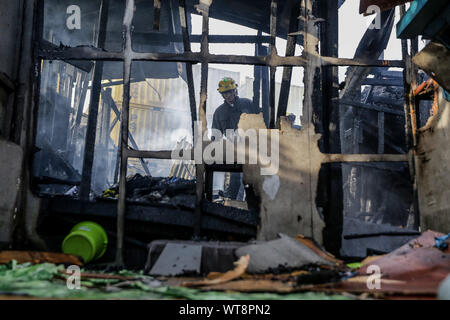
(87, 240)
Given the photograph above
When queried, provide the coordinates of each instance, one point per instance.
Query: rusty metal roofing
(417, 268)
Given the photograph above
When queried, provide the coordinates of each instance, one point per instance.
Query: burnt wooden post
(332, 192)
(273, 69)
(411, 120)
(109, 101)
(257, 77)
(287, 71)
(124, 124)
(89, 147)
(203, 7)
(262, 50)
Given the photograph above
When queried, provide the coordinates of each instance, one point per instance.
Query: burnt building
(95, 96)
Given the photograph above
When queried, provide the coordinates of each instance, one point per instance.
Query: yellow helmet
(226, 84)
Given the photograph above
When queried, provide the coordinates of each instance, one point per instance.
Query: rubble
(153, 189)
(241, 266)
(178, 259)
(359, 238)
(285, 252)
(215, 256)
(415, 269)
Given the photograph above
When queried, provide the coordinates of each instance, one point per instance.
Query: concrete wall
(10, 172)
(19, 209)
(10, 14)
(10, 25)
(11, 155)
(433, 170)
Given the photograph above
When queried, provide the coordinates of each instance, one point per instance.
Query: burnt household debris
(333, 185)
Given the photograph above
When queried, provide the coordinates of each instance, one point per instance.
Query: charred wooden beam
(371, 46)
(371, 107)
(121, 205)
(52, 180)
(265, 87)
(330, 76)
(309, 53)
(91, 53)
(331, 190)
(209, 177)
(189, 74)
(86, 66)
(380, 132)
(329, 158)
(203, 8)
(156, 14)
(189, 155)
(311, 73)
(60, 161)
(6, 82)
(383, 82)
(89, 147)
(225, 167)
(257, 78)
(79, 104)
(217, 218)
(388, 101)
(106, 94)
(287, 71)
(273, 69)
(194, 38)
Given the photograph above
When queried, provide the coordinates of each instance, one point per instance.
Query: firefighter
(226, 117)
(228, 114)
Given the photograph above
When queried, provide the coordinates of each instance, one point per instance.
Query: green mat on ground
(45, 281)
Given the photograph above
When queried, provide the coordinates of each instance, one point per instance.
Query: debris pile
(286, 265)
(415, 269)
(173, 191)
(49, 280)
(284, 268)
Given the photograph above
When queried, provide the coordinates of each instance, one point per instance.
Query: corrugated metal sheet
(159, 113)
(183, 169)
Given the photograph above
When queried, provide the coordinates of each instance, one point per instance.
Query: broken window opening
(63, 113)
(76, 23)
(157, 27)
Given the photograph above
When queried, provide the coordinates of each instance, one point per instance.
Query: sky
(352, 26)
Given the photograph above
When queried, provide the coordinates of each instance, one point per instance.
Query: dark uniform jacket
(227, 116)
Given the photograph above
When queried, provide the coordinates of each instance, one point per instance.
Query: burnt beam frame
(310, 58)
(89, 148)
(272, 60)
(287, 71)
(331, 191)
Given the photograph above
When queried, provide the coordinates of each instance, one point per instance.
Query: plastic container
(87, 240)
